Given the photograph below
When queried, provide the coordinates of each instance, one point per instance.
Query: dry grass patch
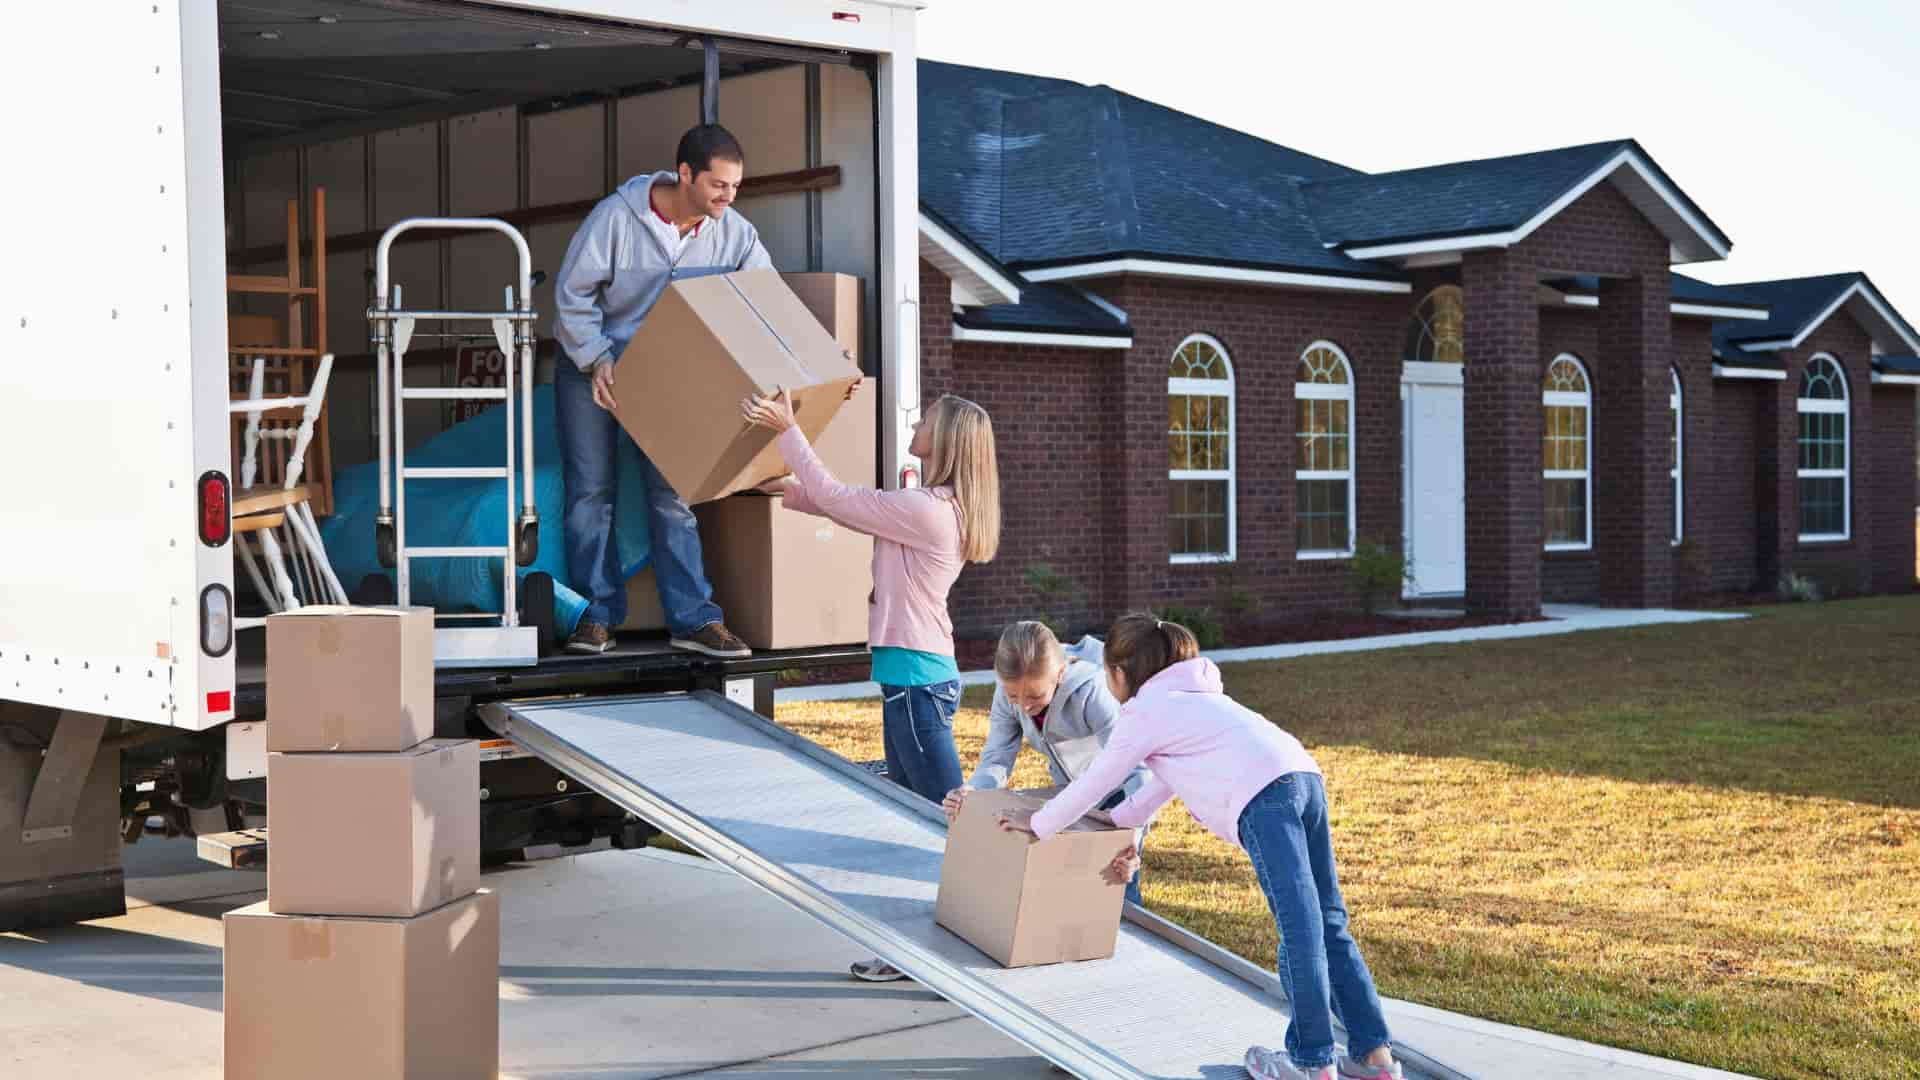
(1701, 842)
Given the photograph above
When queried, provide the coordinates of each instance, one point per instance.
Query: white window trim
(1677, 404)
(1845, 473)
(1585, 403)
(1212, 388)
(1326, 392)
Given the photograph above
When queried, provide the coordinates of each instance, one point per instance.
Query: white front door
(1435, 475)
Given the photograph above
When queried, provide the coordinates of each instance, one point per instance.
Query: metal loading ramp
(863, 855)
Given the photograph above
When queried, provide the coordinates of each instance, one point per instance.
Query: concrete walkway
(616, 964)
(1561, 619)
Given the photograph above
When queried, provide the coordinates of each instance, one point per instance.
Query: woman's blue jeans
(1284, 830)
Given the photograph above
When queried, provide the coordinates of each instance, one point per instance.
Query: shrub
(1378, 569)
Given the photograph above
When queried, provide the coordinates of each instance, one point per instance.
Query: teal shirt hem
(893, 666)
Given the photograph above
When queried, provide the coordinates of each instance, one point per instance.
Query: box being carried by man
(1024, 902)
(707, 343)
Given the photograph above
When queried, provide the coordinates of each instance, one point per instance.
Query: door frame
(1423, 373)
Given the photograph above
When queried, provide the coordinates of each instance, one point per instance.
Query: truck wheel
(374, 590)
(536, 609)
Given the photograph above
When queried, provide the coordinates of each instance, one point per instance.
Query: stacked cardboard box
(785, 580)
(375, 953)
(1025, 902)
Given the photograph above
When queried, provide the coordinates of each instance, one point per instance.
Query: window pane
(1823, 506)
(1197, 517)
(1320, 515)
(1566, 507)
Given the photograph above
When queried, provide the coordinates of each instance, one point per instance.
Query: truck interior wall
(514, 158)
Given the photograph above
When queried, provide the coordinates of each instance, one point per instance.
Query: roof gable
(1498, 202)
(1801, 306)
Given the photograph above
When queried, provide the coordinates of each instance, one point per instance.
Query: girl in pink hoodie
(921, 538)
(1252, 785)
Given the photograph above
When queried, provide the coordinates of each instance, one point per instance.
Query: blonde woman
(922, 538)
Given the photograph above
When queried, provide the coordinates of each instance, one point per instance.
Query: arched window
(1200, 451)
(1676, 470)
(1438, 332)
(1826, 452)
(1323, 453)
(1567, 452)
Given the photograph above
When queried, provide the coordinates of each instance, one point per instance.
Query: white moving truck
(155, 145)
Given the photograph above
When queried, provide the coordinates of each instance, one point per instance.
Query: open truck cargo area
(214, 127)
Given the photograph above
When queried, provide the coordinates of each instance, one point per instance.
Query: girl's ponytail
(1141, 646)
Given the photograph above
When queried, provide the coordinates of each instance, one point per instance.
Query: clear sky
(1794, 124)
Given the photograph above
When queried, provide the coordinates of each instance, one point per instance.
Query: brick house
(1216, 365)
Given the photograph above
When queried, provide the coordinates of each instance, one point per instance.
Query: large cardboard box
(850, 447)
(643, 603)
(373, 834)
(708, 343)
(786, 580)
(331, 997)
(834, 299)
(1023, 901)
(349, 678)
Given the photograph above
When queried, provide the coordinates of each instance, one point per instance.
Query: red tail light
(216, 509)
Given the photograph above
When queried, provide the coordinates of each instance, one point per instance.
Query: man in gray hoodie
(653, 230)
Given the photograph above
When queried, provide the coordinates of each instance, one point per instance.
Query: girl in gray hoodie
(1056, 700)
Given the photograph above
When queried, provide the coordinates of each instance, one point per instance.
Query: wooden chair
(279, 516)
(291, 344)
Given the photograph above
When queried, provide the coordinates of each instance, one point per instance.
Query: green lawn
(1700, 841)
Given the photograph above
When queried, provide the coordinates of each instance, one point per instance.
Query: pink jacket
(1201, 745)
(916, 547)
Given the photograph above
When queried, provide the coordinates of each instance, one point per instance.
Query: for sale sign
(476, 364)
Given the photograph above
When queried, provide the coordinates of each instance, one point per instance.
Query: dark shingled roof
(1046, 308)
(1794, 302)
(1898, 365)
(1685, 290)
(1041, 171)
(1456, 199)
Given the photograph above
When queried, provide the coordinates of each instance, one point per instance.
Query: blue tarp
(459, 513)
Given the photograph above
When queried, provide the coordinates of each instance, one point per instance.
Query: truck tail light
(909, 477)
(216, 509)
(216, 620)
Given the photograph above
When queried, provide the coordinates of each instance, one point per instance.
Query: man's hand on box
(953, 802)
(1122, 868)
(776, 486)
(1017, 820)
(603, 385)
(774, 413)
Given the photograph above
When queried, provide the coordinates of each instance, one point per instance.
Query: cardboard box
(834, 299)
(330, 997)
(643, 603)
(373, 834)
(349, 678)
(708, 343)
(1025, 902)
(850, 447)
(786, 580)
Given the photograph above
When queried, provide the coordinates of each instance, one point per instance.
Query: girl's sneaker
(1265, 1064)
(1360, 1070)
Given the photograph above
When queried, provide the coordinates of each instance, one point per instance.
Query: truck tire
(536, 609)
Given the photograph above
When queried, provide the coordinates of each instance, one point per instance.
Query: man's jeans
(1284, 830)
(589, 442)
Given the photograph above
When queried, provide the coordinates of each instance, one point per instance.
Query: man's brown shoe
(715, 640)
(591, 637)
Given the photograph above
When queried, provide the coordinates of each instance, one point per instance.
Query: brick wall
(1890, 498)
(1723, 482)
(1845, 567)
